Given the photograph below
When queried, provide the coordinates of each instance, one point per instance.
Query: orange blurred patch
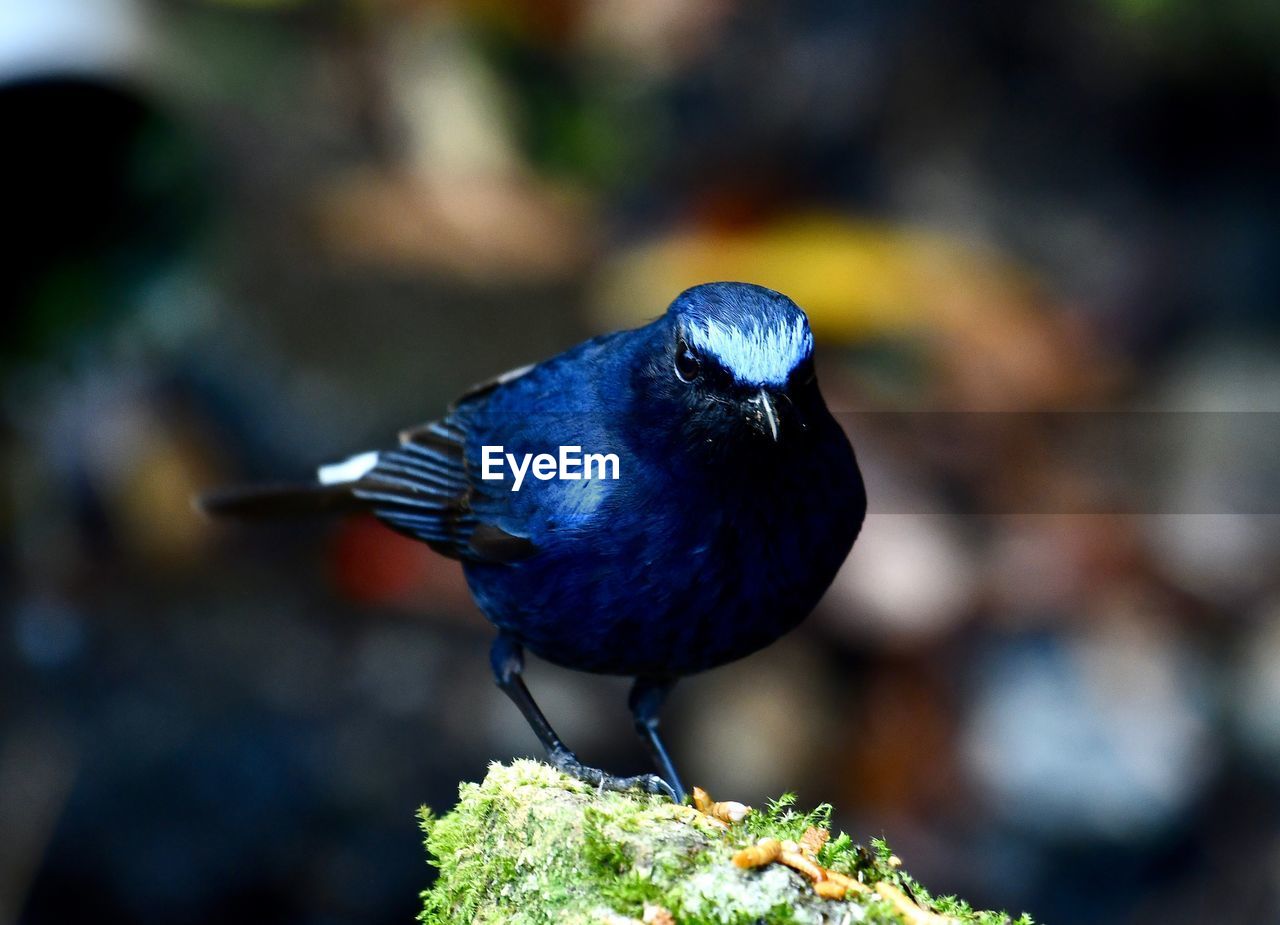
(374, 565)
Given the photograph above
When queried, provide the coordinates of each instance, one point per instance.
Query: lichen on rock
(530, 845)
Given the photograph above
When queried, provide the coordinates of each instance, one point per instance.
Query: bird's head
(735, 361)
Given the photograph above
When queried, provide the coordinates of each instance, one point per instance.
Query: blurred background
(1040, 247)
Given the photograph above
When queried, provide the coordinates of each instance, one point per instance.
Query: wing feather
(423, 487)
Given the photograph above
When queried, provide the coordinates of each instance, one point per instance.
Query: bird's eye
(688, 363)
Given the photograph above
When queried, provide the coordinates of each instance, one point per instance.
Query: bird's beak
(765, 412)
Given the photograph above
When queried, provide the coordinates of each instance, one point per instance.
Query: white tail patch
(348, 471)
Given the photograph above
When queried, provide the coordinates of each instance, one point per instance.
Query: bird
(731, 499)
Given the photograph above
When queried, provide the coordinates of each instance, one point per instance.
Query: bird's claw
(646, 783)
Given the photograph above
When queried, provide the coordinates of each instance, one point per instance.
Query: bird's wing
(483, 389)
(424, 488)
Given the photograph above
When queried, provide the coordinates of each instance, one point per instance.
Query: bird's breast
(673, 573)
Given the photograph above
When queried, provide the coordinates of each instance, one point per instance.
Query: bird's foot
(646, 783)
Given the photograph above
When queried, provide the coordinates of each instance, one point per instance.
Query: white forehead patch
(757, 355)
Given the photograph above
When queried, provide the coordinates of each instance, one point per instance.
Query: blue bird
(702, 502)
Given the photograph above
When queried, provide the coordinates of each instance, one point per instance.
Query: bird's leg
(508, 664)
(647, 697)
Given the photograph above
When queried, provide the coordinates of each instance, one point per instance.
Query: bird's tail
(253, 502)
(332, 492)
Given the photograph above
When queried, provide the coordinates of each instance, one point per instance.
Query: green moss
(529, 846)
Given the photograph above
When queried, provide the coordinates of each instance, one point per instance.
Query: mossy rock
(530, 845)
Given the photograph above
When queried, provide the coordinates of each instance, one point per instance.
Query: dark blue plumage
(738, 498)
